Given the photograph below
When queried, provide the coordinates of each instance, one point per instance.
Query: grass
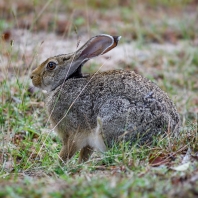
(166, 37)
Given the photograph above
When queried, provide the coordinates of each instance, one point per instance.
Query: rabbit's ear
(96, 46)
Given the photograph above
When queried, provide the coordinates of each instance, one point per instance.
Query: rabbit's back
(129, 106)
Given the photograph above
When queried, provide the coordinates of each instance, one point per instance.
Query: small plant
(159, 41)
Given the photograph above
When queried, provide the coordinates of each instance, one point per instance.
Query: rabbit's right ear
(96, 46)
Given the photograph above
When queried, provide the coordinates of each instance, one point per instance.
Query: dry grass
(159, 41)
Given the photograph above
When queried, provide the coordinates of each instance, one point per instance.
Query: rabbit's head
(55, 70)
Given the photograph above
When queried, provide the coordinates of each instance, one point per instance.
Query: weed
(159, 42)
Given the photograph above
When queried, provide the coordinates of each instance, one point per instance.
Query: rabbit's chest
(72, 115)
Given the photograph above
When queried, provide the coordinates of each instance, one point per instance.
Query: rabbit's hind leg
(94, 141)
(95, 138)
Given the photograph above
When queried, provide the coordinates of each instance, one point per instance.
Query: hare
(93, 112)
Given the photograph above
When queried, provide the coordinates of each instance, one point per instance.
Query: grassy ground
(159, 41)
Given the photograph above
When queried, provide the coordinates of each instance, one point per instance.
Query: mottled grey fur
(128, 105)
(107, 107)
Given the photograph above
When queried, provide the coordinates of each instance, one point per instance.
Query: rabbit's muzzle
(36, 79)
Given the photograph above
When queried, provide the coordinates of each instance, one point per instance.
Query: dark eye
(51, 65)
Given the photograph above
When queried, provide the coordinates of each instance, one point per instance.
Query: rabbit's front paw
(67, 152)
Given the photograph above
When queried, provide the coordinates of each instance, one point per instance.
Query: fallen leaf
(187, 156)
(158, 159)
(182, 167)
(6, 35)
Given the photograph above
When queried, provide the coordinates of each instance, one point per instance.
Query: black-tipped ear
(96, 46)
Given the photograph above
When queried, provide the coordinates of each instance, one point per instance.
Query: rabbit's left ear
(96, 46)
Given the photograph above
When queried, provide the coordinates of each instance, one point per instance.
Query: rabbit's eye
(51, 65)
